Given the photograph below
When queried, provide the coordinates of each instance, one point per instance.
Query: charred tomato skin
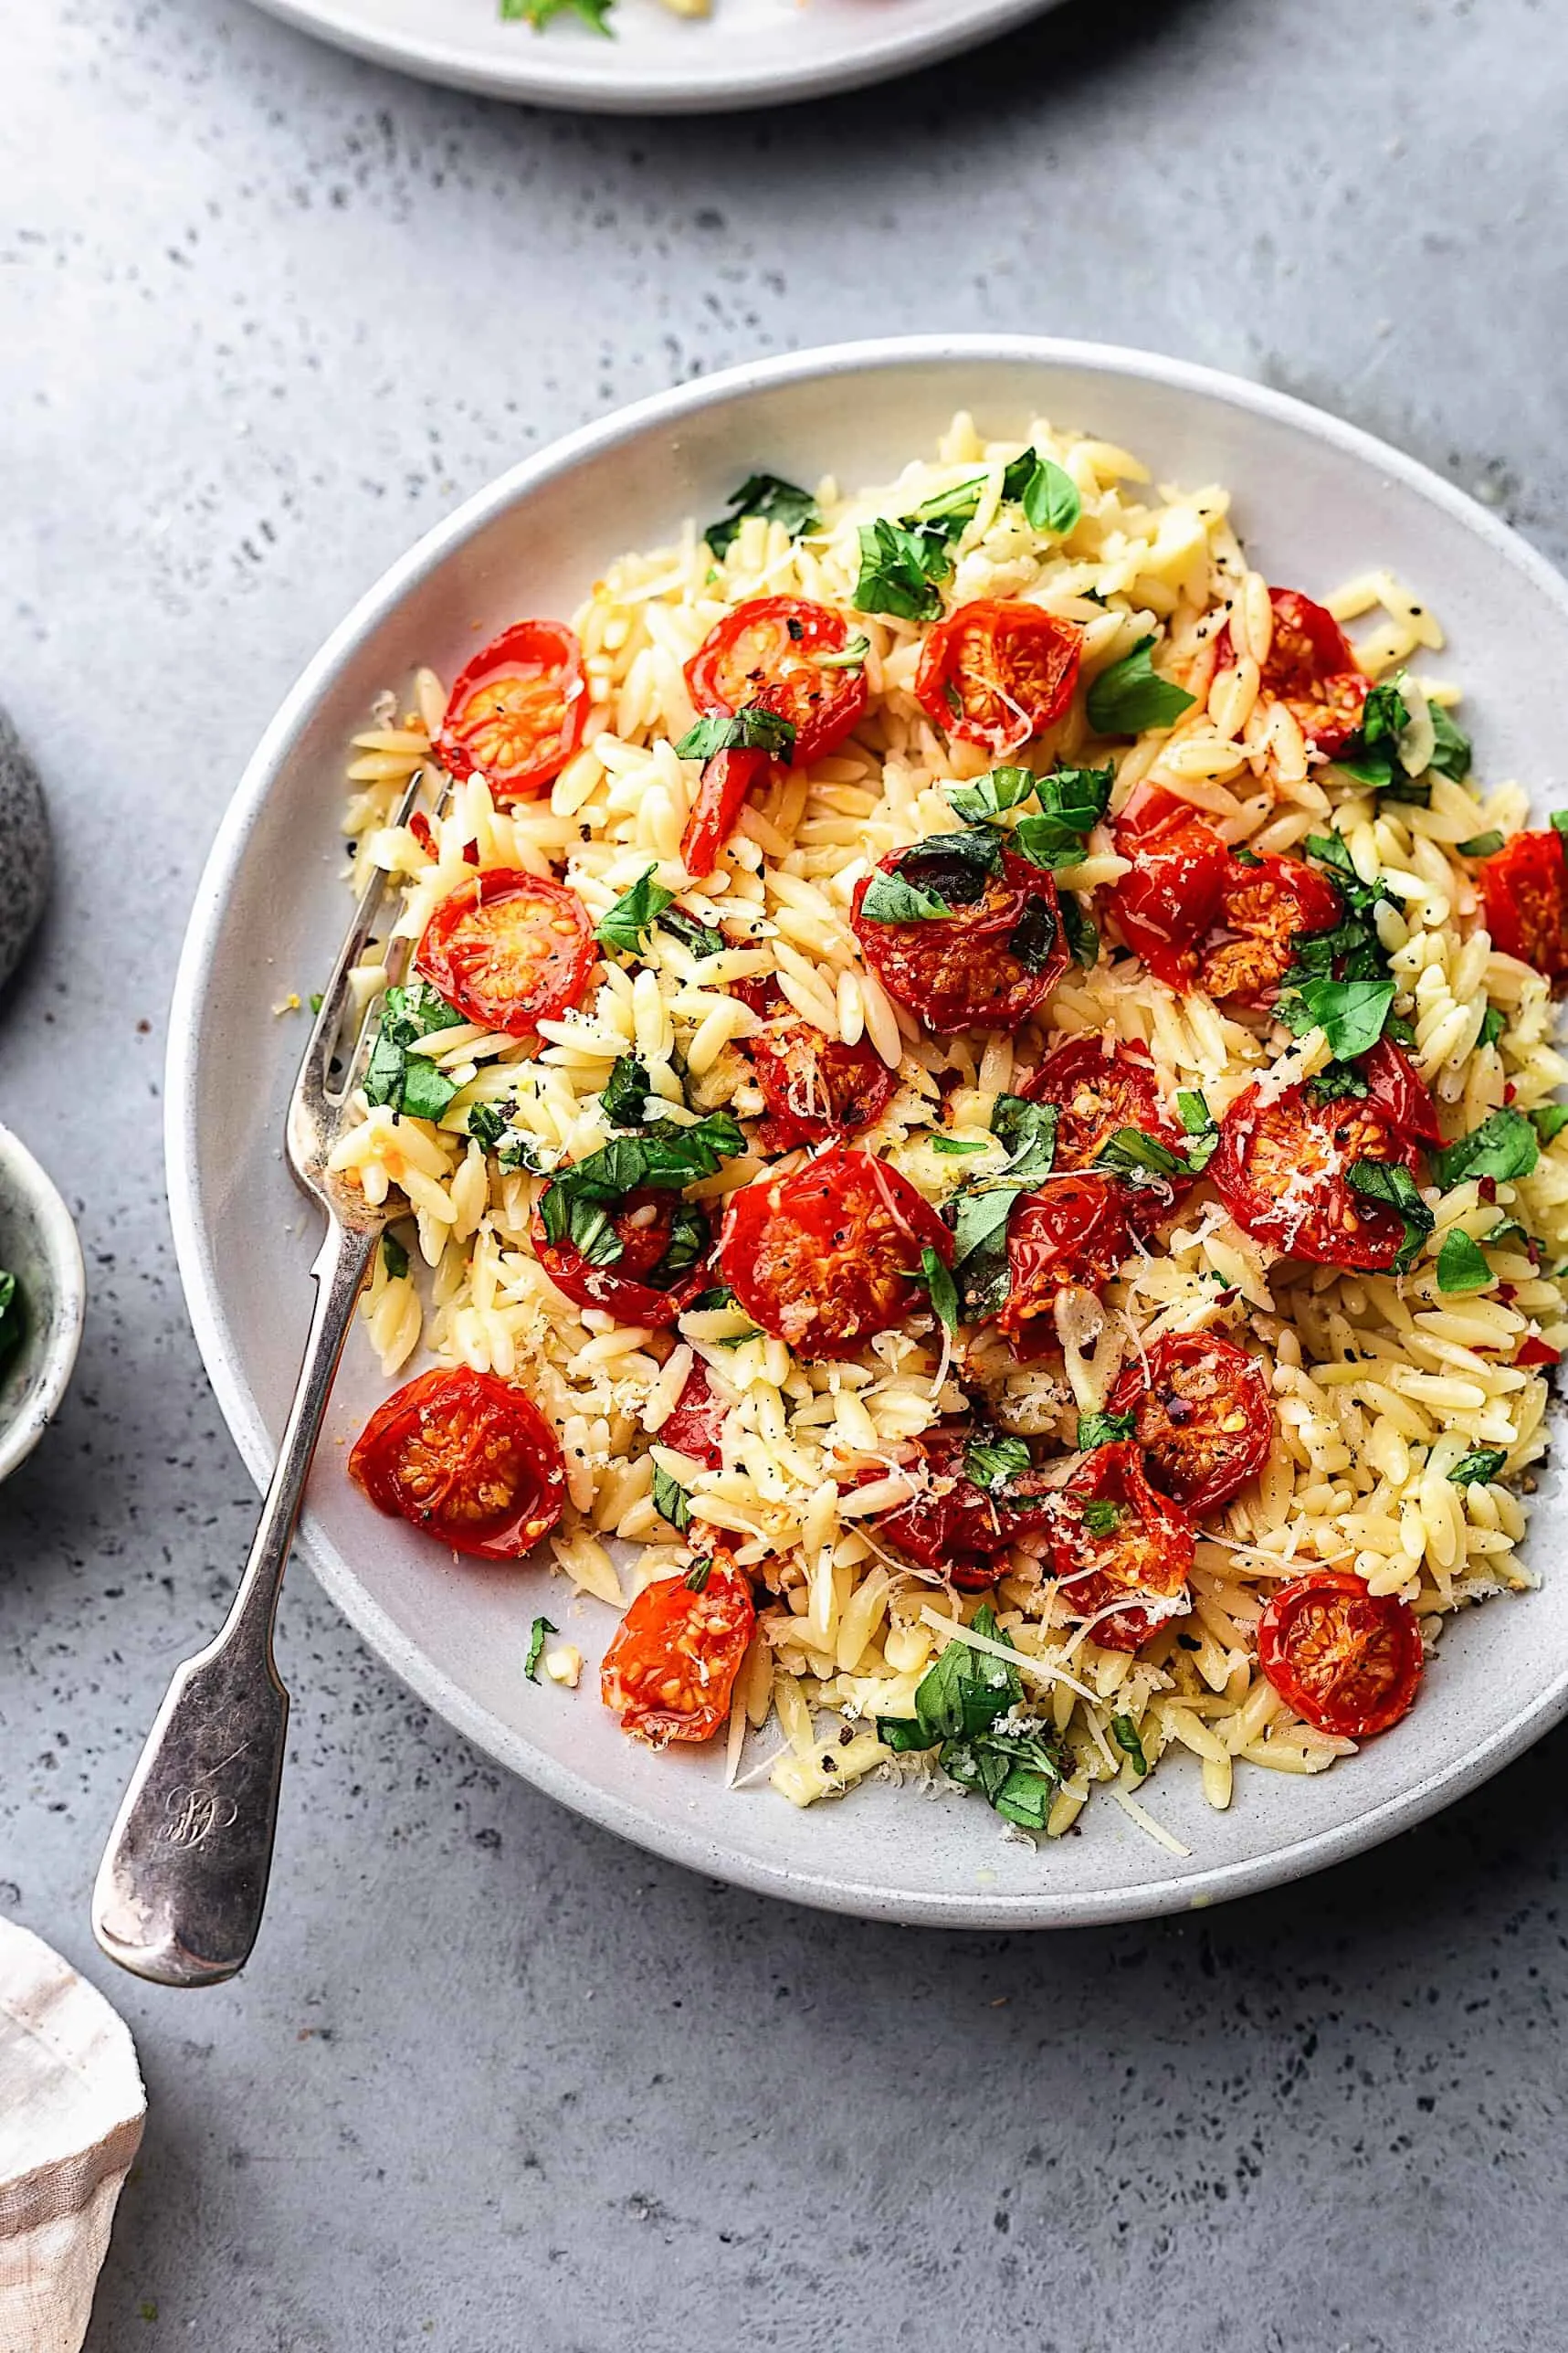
(1203, 1418)
(1074, 1231)
(467, 1459)
(1146, 1552)
(1278, 1169)
(961, 971)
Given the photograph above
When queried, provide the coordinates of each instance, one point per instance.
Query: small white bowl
(39, 1245)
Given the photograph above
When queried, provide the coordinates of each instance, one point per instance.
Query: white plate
(1317, 501)
(747, 53)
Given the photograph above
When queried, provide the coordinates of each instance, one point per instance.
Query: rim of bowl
(694, 1849)
(66, 1307)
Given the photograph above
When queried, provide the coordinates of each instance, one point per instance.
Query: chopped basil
(541, 1625)
(978, 1214)
(1128, 696)
(700, 938)
(13, 1315)
(1102, 1517)
(993, 1464)
(954, 1144)
(594, 13)
(1104, 1429)
(625, 1092)
(954, 508)
(958, 1704)
(1079, 930)
(626, 928)
(771, 497)
(1460, 1263)
(1193, 1110)
(1494, 1021)
(485, 1124)
(708, 1303)
(901, 570)
(1338, 1081)
(851, 656)
(317, 1000)
(1505, 1144)
(1140, 1158)
(578, 1205)
(1350, 1013)
(1050, 498)
(516, 1150)
(1390, 1182)
(1033, 938)
(938, 1284)
(1453, 752)
(1029, 1132)
(751, 729)
(890, 899)
(1072, 802)
(929, 880)
(1245, 857)
(697, 1576)
(1480, 1462)
(1482, 845)
(1559, 823)
(410, 1082)
(1373, 753)
(1124, 1732)
(394, 1257)
(671, 1501)
(1003, 788)
(1549, 1120)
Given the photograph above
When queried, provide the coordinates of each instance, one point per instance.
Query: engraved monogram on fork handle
(180, 1891)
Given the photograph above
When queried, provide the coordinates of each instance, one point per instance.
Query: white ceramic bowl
(39, 1247)
(1317, 501)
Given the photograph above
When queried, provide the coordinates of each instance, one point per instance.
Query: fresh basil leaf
(625, 1092)
(1399, 1030)
(900, 571)
(934, 876)
(1460, 1263)
(317, 1000)
(1194, 1112)
(1102, 1517)
(626, 928)
(955, 507)
(578, 1206)
(1333, 851)
(1079, 930)
(1128, 696)
(1046, 841)
(1505, 1144)
(407, 1016)
(485, 1124)
(1029, 1132)
(696, 1577)
(992, 1464)
(394, 1257)
(1026, 1795)
(978, 1215)
(1340, 1081)
(751, 729)
(1077, 797)
(1493, 1023)
(850, 656)
(1124, 1732)
(767, 495)
(1482, 845)
(594, 13)
(954, 1144)
(1245, 857)
(516, 1150)
(1507, 1229)
(708, 1303)
(940, 1288)
(902, 1733)
(1033, 938)
(1104, 1429)
(890, 899)
(1479, 1463)
(671, 1501)
(700, 938)
(1414, 792)
(1559, 823)
(1549, 1120)
(1390, 1182)
(427, 1092)
(1453, 754)
(690, 1240)
(541, 1625)
(1141, 1159)
(966, 1690)
(1350, 1013)
(1050, 499)
(983, 801)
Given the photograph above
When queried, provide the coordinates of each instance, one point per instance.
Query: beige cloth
(71, 2109)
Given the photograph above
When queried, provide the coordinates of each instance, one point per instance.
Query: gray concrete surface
(494, 2081)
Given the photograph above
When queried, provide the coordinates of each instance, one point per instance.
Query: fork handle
(182, 1882)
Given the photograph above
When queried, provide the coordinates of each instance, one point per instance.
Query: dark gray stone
(26, 861)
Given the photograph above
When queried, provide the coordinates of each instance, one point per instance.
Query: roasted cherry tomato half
(830, 1255)
(1264, 911)
(670, 1669)
(1073, 1230)
(983, 967)
(1280, 1168)
(467, 1458)
(953, 1526)
(767, 656)
(997, 674)
(1171, 900)
(1524, 888)
(1114, 1539)
(1396, 1088)
(652, 1226)
(510, 950)
(1346, 1659)
(1311, 669)
(1098, 1086)
(518, 711)
(816, 1087)
(696, 1427)
(1203, 1417)
(726, 783)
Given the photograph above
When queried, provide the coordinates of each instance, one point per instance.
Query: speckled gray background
(494, 2081)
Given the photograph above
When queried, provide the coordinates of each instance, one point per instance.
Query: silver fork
(180, 1891)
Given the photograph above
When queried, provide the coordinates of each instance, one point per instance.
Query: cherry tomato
(1204, 1420)
(953, 1526)
(629, 1288)
(966, 971)
(697, 1424)
(1074, 1230)
(1396, 1088)
(1096, 1093)
(672, 1665)
(467, 1458)
(518, 711)
(1535, 1351)
(1280, 1167)
(816, 1087)
(1264, 909)
(726, 781)
(1112, 1536)
(1311, 669)
(510, 950)
(826, 1257)
(1170, 900)
(1346, 1659)
(767, 655)
(1524, 887)
(998, 673)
